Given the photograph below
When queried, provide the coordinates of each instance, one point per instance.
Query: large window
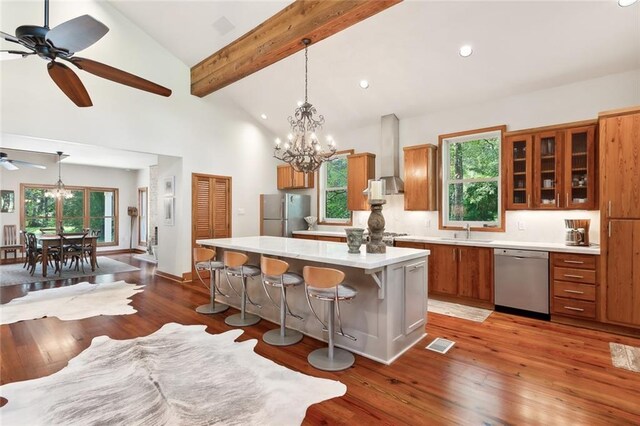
(471, 179)
(89, 208)
(332, 191)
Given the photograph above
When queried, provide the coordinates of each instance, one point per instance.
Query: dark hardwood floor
(507, 370)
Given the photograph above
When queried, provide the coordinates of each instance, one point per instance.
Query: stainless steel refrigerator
(283, 213)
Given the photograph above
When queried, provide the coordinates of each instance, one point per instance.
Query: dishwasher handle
(521, 254)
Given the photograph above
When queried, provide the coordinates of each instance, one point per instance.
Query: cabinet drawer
(574, 290)
(575, 275)
(305, 237)
(569, 260)
(576, 308)
(332, 239)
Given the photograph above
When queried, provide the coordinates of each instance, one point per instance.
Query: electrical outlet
(521, 226)
(241, 212)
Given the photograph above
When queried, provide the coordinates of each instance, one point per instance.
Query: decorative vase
(354, 239)
(376, 228)
(311, 222)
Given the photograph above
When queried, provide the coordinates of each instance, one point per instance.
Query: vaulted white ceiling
(409, 53)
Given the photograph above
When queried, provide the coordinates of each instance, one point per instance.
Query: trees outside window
(332, 187)
(471, 180)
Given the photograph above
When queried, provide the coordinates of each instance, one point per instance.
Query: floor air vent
(440, 345)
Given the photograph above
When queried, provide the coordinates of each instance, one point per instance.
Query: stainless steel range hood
(390, 154)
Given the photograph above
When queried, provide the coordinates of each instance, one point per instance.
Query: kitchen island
(388, 315)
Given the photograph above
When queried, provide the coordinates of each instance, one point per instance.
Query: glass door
(579, 175)
(547, 170)
(518, 155)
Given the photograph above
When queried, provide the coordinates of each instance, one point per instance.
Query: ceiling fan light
(626, 3)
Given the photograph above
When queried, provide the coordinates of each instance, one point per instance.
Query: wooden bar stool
(203, 261)
(274, 273)
(325, 284)
(235, 266)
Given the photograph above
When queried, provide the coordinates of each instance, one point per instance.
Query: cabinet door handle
(558, 199)
(577, 262)
(454, 254)
(574, 291)
(609, 209)
(573, 276)
(413, 268)
(528, 200)
(571, 308)
(609, 229)
(566, 199)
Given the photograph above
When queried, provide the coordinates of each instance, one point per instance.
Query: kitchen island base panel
(386, 320)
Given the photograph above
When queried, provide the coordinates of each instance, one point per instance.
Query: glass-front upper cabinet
(579, 165)
(547, 176)
(518, 160)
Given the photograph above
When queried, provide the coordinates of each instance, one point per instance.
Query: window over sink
(471, 179)
(332, 191)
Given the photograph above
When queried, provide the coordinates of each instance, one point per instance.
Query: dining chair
(34, 254)
(10, 241)
(72, 248)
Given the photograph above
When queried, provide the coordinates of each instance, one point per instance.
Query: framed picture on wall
(7, 201)
(169, 211)
(168, 186)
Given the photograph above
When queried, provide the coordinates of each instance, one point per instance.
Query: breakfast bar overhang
(387, 317)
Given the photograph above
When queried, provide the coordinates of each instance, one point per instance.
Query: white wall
(211, 135)
(74, 175)
(578, 101)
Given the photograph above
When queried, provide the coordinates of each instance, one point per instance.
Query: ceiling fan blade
(77, 34)
(119, 76)
(27, 164)
(7, 165)
(69, 83)
(9, 37)
(14, 54)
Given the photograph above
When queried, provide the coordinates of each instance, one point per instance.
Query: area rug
(624, 356)
(72, 302)
(470, 313)
(179, 375)
(16, 274)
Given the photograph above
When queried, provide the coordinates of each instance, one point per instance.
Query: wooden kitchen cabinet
(421, 177)
(320, 238)
(619, 171)
(360, 168)
(574, 283)
(443, 269)
(475, 273)
(288, 178)
(551, 168)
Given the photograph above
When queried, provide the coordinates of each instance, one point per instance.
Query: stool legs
(282, 336)
(212, 307)
(243, 319)
(331, 358)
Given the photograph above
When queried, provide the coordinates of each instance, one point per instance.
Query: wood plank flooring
(507, 370)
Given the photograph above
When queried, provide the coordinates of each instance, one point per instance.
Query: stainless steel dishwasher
(521, 281)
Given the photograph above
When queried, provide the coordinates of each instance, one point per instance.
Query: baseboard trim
(169, 276)
(593, 325)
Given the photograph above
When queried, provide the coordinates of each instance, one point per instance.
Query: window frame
(86, 218)
(443, 165)
(321, 192)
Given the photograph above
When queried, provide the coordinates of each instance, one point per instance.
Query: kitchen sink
(471, 240)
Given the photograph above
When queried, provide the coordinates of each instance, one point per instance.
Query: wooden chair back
(32, 242)
(201, 254)
(9, 235)
(273, 267)
(233, 259)
(322, 277)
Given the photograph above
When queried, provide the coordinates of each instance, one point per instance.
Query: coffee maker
(576, 232)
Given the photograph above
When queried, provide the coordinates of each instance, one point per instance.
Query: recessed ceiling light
(364, 84)
(263, 116)
(625, 3)
(466, 51)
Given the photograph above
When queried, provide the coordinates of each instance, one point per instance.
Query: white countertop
(519, 245)
(316, 251)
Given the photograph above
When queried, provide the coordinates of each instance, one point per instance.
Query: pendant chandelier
(303, 150)
(59, 191)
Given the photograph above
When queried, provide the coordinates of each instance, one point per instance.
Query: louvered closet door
(211, 215)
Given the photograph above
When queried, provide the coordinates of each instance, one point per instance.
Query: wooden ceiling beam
(278, 37)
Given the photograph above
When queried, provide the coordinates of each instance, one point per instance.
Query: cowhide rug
(72, 302)
(179, 375)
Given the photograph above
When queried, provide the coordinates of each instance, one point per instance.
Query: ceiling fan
(13, 164)
(61, 43)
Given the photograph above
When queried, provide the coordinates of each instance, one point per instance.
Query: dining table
(46, 241)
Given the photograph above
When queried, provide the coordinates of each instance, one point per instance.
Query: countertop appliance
(281, 214)
(577, 232)
(521, 282)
